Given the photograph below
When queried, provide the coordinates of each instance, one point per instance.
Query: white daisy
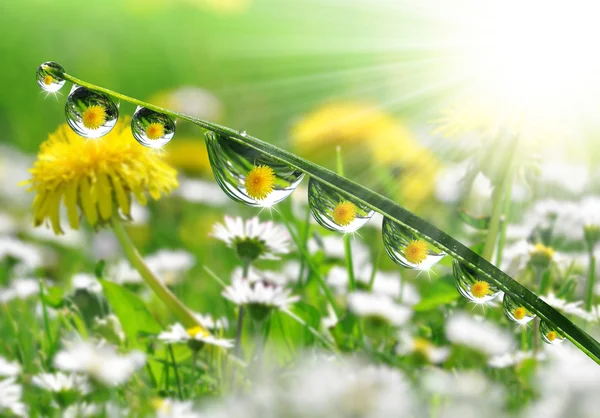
(70, 238)
(61, 382)
(28, 255)
(259, 293)
(253, 239)
(102, 363)
(570, 308)
(333, 247)
(193, 101)
(110, 328)
(22, 288)
(177, 334)
(9, 368)
(380, 307)
(511, 359)
(11, 398)
(170, 408)
(85, 281)
(408, 344)
(479, 334)
(202, 191)
(82, 410)
(168, 265)
(208, 322)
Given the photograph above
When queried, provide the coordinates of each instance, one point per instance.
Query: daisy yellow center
(344, 213)
(198, 330)
(480, 289)
(421, 346)
(416, 251)
(260, 182)
(520, 313)
(155, 131)
(551, 335)
(48, 80)
(94, 117)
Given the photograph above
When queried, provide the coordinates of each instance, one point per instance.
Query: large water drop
(90, 113)
(471, 285)
(549, 334)
(334, 211)
(247, 175)
(47, 76)
(408, 248)
(516, 311)
(152, 129)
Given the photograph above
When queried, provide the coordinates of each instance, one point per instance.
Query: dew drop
(249, 176)
(515, 311)
(243, 133)
(471, 285)
(550, 335)
(152, 129)
(334, 210)
(89, 113)
(408, 248)
(47, 77)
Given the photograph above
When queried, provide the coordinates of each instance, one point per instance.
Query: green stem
(504, 223)
(591, 280)
(241, 315)
(349, 264)
(392, 211)
(176, 372)
(158, 287)
(500, 194)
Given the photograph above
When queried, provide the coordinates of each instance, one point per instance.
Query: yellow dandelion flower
(48, 80)
(480, 289)
(94, 117)
(416, 251)
(519, 313)
(344, 213)
(189, 154)
(551, 335)
(155, 131)
(95, 177)
(260, 182)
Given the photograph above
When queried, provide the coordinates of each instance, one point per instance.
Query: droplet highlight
(516, 311)
(89, 113)
(408, 248)
(247, 175)
(152, 129)
(47, 77)
(335, 211)
(550, 335)
(471, 285)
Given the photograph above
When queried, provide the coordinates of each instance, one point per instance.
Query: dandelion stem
(173, 303)
(591, 280)
(176, 372)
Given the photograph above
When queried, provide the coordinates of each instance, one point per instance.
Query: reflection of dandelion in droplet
(471, 285)
(408, 248)
(515, 311)
(49, 82)
(89, 113)
(249, 176)
(93, 117)
(550, 335)
(152, 129)
(344, 213)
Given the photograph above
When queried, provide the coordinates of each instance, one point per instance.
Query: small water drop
(152, 129)
(471, 285)
(247, 175)
(515, 311)
(89, 113)
(47, 77)
(550, 335)
(408, 248)
(243, 133)
(334, 210)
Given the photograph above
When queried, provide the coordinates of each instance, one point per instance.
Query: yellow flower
(260, 182)
(416, 251)
(344, 213)
(95, 177)
(519, 313)
(541, 256)
(551, 336)
(48, 80)
(94, 117)
(189, 154)
(155, 130)
(480, 289)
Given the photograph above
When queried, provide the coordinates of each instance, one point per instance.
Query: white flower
(178, 334)
(407, 344)
(378, 306)
(22, 288)
(8, 224)
(9, 368)
(11, 397)
(110, 328)
(170, 408)
(168, 265)
(102, 363)
(253, 239)
(87, 282)
(479, 334)
(29, 256)
(61, 382)
(70, 238)
(209, 323)
(202, 191)
(193, 101)
(81, 410)
(333, 246)
(511, 359)
(263, 293)
(570, 308)
(567, 176)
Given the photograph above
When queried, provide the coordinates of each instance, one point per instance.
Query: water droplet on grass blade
(471, 285)
(408, 248)
(515, 311)
(335, 211)
(549, 334)
(247, 175)
(89, 113)
(49, 80)
(152, 129)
